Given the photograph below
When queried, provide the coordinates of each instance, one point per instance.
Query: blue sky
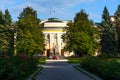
(62, 9)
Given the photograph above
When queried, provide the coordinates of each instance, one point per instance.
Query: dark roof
(54, 20)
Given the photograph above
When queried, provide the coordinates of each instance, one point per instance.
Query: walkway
(60, 70)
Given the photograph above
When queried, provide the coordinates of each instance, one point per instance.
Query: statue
(56, 49)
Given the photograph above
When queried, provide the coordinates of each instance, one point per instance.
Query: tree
(108, 34)
(80, 35)
(117, 20)
(2, 20)
(10, 31)
(6, 33)
(8, 19)
(30, 38)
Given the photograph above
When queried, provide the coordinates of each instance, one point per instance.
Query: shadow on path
(60, 70)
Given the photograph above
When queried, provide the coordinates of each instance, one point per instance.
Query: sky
(62, 9)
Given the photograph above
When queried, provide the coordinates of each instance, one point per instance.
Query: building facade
(53, 29)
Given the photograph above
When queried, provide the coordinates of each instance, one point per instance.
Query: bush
(89, 63)
(108, 69)
(42, 60)
(74, 60)
(18, 67)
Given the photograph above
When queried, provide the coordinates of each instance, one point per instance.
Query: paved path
(60, 70)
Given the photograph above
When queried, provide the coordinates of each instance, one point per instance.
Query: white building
(53, 28)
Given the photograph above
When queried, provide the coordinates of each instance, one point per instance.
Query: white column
(45, 52)
(47, 36)
(59, 42)
(51, 42)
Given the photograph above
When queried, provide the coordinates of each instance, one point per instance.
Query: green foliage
(18, 67)
(28, 11)
(74, 60)
(90, 60)
(29, 33)
(6, 38)
(80, 35)
(42, 60)
(108, 34)
(2, 20)
(8, 19)
(117, 24)
(6, 33)
(107, 69)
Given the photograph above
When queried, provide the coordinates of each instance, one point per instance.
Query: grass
(42, 60)
(118, 60)
(74, 60)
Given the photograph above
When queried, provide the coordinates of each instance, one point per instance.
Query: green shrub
(89, 63)
(74, 60)
(41, 60)
(108, 69)
(18, 67)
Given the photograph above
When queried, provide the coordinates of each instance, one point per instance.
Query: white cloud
(59, 3)
(43, 7)
(60, 6)
(4, 4)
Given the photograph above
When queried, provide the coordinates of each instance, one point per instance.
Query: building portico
(54, 42)
(53, 29)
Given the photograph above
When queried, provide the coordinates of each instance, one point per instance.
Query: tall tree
(117, 20)
(10, 31)
(30, 38)
(6, 33)
(3, 39)
(2, 20)
(80, 35)
(8, 19)
(108, 34)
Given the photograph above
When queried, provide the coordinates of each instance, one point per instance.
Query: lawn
(42, 60)
(74, 60)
